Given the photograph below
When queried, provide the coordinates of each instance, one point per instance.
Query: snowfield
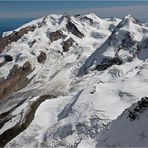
(86, 74)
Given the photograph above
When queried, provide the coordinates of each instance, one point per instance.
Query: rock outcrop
(15, 36)
(71, 27)
(42, 57)
(16, 80)
(54, 36)
(107, 62)
(67, 44)
(141, 106)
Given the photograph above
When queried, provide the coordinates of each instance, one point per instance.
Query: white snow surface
(87, 99)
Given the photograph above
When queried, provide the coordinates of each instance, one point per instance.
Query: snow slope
(129, 129)
(103, 72)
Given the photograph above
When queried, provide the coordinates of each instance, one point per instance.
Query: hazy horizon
(15, 13)
(35, 9)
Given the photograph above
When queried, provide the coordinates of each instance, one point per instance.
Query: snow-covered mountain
(65, 81)
(129, 129)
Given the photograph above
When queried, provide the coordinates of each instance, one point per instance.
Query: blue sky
(34, 9)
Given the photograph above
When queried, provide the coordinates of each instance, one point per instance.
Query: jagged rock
(44, 20)
(15, 36)
(77, 15)
(56, 35)
(61, 19)
(111, 27)
(67, 16)
(125, 21)
(93, 90)
(89, 19)
(42, 57)
(141, 106)
(107, 62)
(67, 44)
(27, 68)
(43, 23)
(32, 43)
(128, 41)
(71, 27)
(16, 80)
(8, 58)
(40, 24)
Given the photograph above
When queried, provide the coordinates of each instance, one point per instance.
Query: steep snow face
(129, 129)
(88, 69)
(124, 44)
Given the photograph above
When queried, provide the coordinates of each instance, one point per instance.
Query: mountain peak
(129, 17)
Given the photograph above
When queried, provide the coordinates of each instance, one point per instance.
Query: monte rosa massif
(74, 81)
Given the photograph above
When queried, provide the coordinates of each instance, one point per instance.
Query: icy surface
(87, 98)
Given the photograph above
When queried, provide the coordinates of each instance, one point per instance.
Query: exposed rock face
(107, 62)
(8, 58)
(67, 44)
(89, 19)
(139, 109)
(32, 43)
(128, 42)
(25, 119)
(16, 80)
(71, 27)
(42, 57)
(121, 40)
(111, 27)
(56, 35)
(126, 21)
(44, 20)
(77, 15)
(43, 23)
(15, 36)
